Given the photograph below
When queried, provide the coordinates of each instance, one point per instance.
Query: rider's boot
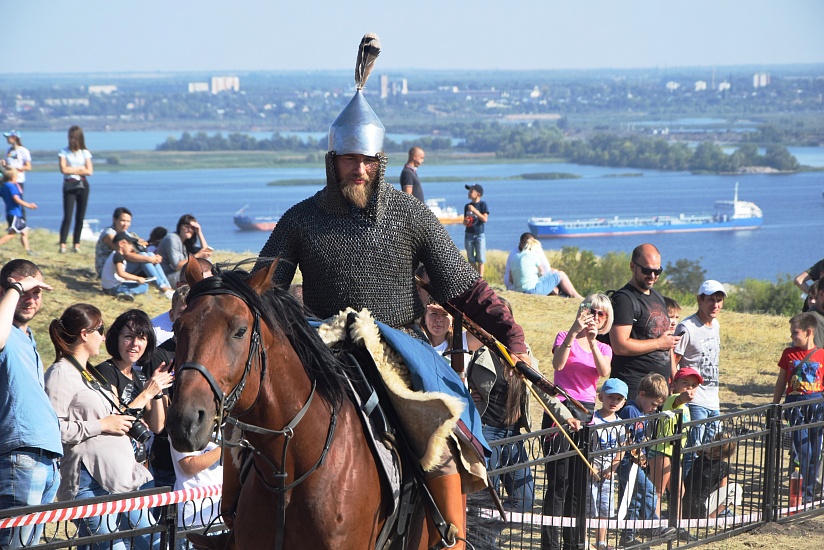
(446, 492)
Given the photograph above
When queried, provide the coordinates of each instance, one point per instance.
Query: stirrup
(448, 539)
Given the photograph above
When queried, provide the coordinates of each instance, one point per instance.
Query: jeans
(98, 525)
(70, 198)
(519, 485)
(129, 287)
(475, 248)
(28, 479)
(149, 270)
(643, 499)
(806, 441)
(698, 434)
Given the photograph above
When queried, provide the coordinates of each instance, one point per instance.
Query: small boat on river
(445, 214)
(245, 222)
(734, 215)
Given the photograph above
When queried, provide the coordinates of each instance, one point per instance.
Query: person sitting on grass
(527, 273)
(13, 198)
(140, 261)
(114, 278)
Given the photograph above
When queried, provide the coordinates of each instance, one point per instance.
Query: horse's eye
(239, 334)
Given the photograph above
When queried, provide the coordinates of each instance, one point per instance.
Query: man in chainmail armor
(358, 242)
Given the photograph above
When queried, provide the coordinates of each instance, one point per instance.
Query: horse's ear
(193, 272)
(261, 280)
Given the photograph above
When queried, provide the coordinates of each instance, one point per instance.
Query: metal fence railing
(737, 471)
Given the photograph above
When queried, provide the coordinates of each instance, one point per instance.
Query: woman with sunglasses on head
(578, 358)
(97, 452)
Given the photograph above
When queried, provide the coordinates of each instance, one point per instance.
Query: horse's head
(218, 337)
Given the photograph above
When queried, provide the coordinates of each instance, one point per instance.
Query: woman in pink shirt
(578, 358)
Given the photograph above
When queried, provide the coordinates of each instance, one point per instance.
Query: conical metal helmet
(358, 130)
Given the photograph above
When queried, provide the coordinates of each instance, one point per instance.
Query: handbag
(71, 184)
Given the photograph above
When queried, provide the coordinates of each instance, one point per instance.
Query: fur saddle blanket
(429, 398)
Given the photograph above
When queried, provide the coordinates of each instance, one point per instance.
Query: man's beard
(357, 195)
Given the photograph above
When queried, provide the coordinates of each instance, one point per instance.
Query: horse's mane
(285, 316)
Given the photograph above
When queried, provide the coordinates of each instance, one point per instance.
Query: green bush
(757, 296)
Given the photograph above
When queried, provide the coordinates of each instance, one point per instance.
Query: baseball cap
(13, 133)
(123, 236)
(688, 371)
(710, 287)
(613, 386)
(475, 187)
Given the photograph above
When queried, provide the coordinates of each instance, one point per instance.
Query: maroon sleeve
(482, 305)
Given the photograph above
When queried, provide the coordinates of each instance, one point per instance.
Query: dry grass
(751, 344)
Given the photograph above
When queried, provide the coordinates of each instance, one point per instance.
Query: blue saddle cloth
(430, 372)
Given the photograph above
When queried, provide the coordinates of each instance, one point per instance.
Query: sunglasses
(650, 271)
(598, 312)
(100, 330)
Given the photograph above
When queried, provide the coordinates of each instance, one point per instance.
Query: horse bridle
(225, 403)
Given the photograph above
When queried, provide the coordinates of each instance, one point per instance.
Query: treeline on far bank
(524, 141)
(680, 280)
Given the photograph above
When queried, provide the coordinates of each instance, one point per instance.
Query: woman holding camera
(131, 343)
(578, 358)
(98, 458)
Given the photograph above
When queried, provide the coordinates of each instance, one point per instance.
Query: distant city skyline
(48, 36)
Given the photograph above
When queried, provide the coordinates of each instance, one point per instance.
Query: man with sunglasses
(30, 443)
(640, 336)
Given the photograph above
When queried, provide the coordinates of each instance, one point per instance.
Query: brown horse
(245, 353)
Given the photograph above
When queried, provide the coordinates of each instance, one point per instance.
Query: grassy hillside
(751, 344)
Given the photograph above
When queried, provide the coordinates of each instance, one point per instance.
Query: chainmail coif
(365, 258)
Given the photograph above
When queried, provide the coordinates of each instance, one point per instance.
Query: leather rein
(226, 402)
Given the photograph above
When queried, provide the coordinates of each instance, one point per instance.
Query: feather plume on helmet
(357, 129)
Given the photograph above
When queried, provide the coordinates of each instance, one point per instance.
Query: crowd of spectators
(98, 429)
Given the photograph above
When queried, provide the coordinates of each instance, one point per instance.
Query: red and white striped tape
(104, 508)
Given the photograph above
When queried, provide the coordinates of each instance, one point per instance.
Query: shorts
(475, 244)
(16, 224)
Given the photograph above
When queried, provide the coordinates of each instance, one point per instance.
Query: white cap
(710, 287)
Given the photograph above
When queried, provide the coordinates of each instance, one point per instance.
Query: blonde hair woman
(528, 274)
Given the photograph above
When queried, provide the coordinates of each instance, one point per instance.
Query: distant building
(701, 86)
(24, 104)
(672, 86)
(760, 80)
(404, 87)
(535, 93)
(384, 86)
(724, 86)
(103, 89)
(225, 84)
(198, 87)
(67, 102)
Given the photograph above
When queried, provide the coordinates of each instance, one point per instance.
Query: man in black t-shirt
(640, 337)
(410, 183)
(476, 214)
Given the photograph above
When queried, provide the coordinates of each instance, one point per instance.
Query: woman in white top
(97, 452)
(76, 166)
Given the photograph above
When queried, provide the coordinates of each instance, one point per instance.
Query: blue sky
(49, 36)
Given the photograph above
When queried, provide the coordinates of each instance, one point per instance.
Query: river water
(787, 242)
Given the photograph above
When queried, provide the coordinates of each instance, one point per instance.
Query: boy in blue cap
(612, 396)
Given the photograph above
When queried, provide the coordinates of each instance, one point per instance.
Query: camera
(139, 432)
